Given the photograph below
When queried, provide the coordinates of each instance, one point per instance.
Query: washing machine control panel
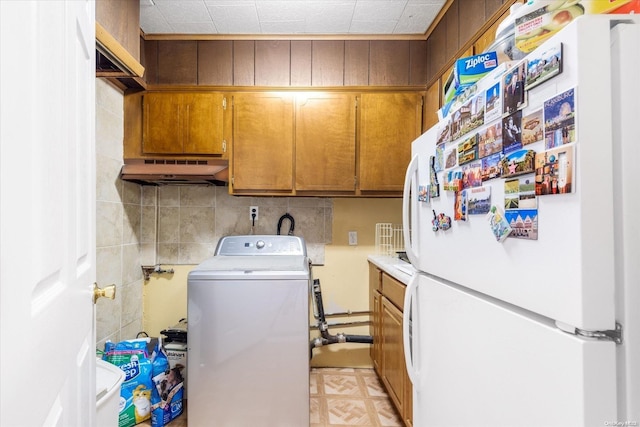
(261, 245)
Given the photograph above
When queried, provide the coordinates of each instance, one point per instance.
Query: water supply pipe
(325, 337)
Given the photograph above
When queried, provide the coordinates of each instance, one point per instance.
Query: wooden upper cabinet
(389, 122)
(262, 146)
(121, 19)
(183, 123)
(325, 142)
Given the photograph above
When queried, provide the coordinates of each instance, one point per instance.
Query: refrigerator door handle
(409, 330)
(407, 204)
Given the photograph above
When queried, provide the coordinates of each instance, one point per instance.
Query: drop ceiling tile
(369, 27)
(234, 17)
(274, 11)
(152, 21)
(288, 16)
(378, 10)
(184, 11)
(194, 28)
(414, 16)
(282, 27)
(333, 18)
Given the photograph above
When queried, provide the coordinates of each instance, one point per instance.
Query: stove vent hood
(176, 172)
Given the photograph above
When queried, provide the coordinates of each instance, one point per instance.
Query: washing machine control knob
(260, 244)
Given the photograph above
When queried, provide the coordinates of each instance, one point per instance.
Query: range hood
(175, 172)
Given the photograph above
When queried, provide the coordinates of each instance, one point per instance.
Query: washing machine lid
(270, 267)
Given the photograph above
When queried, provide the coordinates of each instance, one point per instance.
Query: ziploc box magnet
(466, 71)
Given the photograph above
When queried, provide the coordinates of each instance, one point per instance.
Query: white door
(47, 213)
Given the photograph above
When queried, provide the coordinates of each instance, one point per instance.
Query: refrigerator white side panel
(567, 273)
(626, 152)
(483, 364)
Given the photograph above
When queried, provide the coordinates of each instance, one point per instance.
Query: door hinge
(614, 335)
(224, 103)
(224, 145)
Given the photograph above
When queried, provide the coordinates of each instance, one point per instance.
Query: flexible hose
(292, 223)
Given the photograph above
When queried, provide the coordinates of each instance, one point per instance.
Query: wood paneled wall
(311, 63)
(304, 63)
(460, 24)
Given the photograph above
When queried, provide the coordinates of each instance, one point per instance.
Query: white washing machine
(248, 329)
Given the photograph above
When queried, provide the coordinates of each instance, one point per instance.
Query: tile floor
(340, 397)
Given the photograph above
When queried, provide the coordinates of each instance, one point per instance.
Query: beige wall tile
(108, 186)
(195, 253)
(169, 196)
(149, 195)
(131, 302)
(197, 196)
(131, 270)
(169, 224)
(131, 224)
(109, 265)
(131, 330)
(131, 193)
(197, 224)
(168, 253)
(148, 224)
(108, 224)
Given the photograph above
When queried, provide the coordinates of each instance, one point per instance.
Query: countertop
(393, 266)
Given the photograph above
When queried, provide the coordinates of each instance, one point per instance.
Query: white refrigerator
(537, 332)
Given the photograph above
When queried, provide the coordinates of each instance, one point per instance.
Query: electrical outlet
(253, 210)
(353, 238)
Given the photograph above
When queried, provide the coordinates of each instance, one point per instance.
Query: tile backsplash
(182, 224)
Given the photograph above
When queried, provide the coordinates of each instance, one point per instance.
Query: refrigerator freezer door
(483, 364)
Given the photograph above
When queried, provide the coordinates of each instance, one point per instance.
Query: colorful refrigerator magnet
(434, 187)
(499, 225)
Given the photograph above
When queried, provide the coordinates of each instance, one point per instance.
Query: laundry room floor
(340, 397)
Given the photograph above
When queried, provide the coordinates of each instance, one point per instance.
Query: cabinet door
(202, 123)
(182, 123)
(326, 142)
(393, 368)
(389, 123)
(376, 348)
(262, 153)
(161, 132)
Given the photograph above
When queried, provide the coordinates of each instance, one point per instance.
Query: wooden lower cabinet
(387, 351)
(392, 354)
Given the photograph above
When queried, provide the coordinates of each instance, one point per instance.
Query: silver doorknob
(107, 292)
